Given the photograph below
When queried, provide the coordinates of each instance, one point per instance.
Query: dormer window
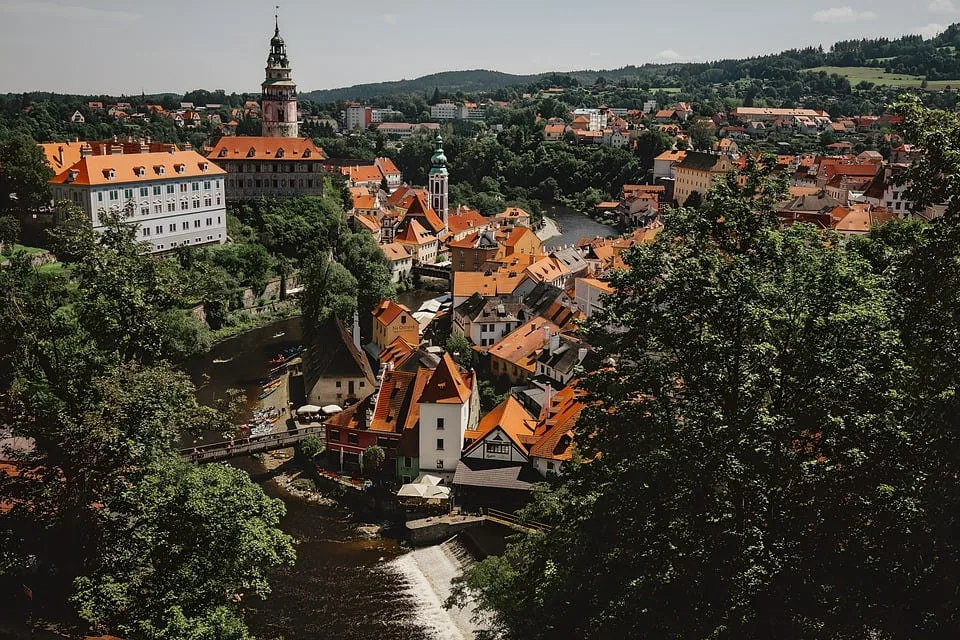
(223, 153)
(279, 152)
(140, 171)
(110, 174)
(160, 169)
(204, 166)
(72, 175)
(181, 168)
(252, 152)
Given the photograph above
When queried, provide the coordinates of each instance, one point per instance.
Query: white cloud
(942, 6)
(931, 30)
(389, 18)
(67, 12)
(667, 55)
(842, 14)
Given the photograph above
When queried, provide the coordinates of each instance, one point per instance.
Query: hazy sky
(112, 46)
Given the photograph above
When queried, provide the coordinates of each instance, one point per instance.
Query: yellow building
(698, 172)
(392, 321)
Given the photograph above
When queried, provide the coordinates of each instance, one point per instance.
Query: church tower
(439, 181)
(279, 98)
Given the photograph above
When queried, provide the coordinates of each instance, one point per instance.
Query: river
(575, 225)
(342, 586)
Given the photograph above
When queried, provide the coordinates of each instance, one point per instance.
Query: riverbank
(549, 230)
(242, 325)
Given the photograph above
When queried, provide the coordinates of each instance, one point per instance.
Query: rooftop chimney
(60, 155)
(86, 150)
(116, 150)
(554, 343)
(581, 354)
(546, 334)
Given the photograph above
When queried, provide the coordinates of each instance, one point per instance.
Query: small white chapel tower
(439, 182)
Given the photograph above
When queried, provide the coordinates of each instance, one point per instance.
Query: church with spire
(279, 163)
(279, 92)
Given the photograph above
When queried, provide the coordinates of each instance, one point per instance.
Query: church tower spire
(279, 91)
(439, 182)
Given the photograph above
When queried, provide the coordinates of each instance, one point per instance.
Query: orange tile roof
(522, 346)
(95, 170)
(388, 311)
(363, 173)
(466, 283)
(547, 270)
(394, 251)
(517, 235)
(446, 385)
(465, 218)
(414, 233)
(392, 398)
(397, 198)
(556, 428)
(70, 152)
(513, 213)
(368, 222)
(397, 352)
(417, 207)
(673, 156)
(387, 167)
(365, 202)
(510, 417)
(239, 148)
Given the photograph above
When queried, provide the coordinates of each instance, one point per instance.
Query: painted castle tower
(279, 97)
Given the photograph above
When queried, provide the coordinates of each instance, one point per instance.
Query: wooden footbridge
(514, 521)
(240, 447)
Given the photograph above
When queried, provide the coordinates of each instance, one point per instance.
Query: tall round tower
(279, 97)
(439, 181)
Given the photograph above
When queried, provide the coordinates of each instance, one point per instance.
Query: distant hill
(472, 81)
(933, 58)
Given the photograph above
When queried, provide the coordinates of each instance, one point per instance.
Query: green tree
(702, 136)
(461, 350)
(205, 536)
(24, 176)
(373, 458)
(312, 446)
(9, 230)
(328, 288)
(360, 254)
(746, 451)
(650, 144)
(109, 515)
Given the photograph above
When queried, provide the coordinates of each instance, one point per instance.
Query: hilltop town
(744, 351)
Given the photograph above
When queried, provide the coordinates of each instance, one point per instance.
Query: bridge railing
(515, 521)
(245, 446)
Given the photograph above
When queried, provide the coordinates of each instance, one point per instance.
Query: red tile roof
(240, 148)
(446, 385)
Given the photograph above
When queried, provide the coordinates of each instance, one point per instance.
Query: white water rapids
(426, 574)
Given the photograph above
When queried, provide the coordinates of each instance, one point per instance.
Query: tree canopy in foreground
(104, 513)
(774, 453)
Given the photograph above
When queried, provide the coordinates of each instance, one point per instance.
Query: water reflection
(575, 225)
(342, 586)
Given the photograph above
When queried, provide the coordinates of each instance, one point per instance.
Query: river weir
(343, 585)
